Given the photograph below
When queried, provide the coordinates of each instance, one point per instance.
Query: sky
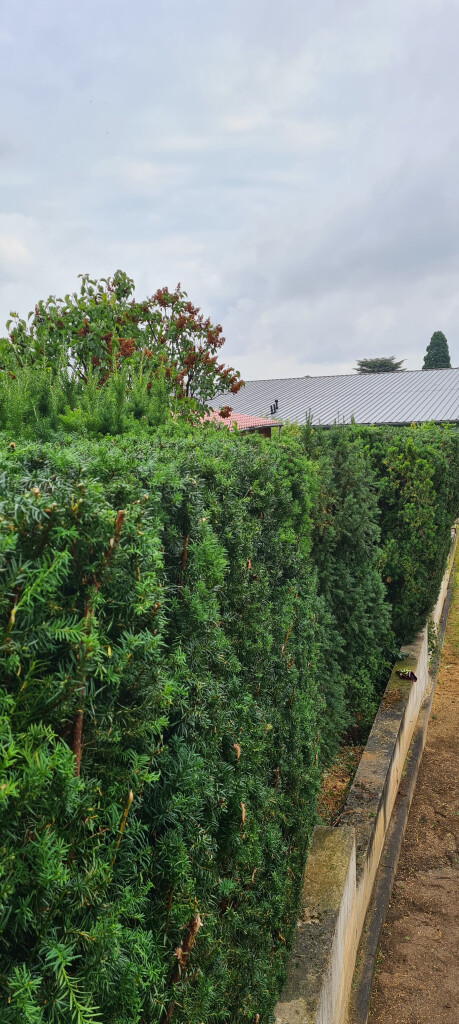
(294, 165)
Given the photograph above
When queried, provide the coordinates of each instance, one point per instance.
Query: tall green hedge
(346, 549)
(417, 473)
(190, 621)
(160, 594)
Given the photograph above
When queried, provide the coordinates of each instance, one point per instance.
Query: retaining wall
(343, 861)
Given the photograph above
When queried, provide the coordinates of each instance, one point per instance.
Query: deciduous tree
(103, 330)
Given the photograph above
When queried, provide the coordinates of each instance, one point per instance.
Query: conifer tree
(379, 364)
(437, 354)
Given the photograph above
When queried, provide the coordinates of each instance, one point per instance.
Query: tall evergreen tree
(437, 353)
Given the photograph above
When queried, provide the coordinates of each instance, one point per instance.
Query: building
(243, 423)
(401, 397)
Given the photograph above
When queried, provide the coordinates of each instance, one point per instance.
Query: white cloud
(17, 235)
(12, 251)
(294, 165)
(143, 177)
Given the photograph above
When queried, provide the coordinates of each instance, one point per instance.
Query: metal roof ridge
(335, 376)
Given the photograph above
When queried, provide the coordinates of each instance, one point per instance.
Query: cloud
(16, 247)
(12, 252)
(141, 177)
(295, 166)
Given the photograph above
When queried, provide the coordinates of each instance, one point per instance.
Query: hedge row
(413, 475)
(162, 596)
(190, 621)
(417, 470)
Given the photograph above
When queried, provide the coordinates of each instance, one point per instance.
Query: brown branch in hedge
(289, 628)
(77, 736)
(120, 517)
(182, 954)
(77, 732)
(123, 821)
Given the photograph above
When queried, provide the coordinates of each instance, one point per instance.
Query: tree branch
(182, 954)
(77, 732)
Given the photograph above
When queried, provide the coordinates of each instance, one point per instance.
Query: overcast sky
(294, 163)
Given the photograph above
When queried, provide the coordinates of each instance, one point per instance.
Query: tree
(102, 332)
(437, 353)
(382, 364)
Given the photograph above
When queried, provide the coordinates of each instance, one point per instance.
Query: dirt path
(417, 977)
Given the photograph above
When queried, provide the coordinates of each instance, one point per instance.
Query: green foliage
(381, 364)
(37, 404)
(190, 620)
(437, 353)
(75, 627)
(102, 337)
(346, 551)
(433, 640)
(160, 592)
(417, 469)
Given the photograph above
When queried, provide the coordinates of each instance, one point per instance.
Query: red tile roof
(242, 421)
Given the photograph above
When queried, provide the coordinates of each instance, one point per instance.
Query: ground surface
(417, 977)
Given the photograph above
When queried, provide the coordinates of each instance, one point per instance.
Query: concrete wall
(372, 795)
(326, 926)
(436, 614)
(343, 861)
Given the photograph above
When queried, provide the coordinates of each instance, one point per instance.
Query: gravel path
(417, 977)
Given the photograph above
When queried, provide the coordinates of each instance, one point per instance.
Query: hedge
(161, 595)
(347, 553)
(411, 474)
(417, 469)
(191, 621)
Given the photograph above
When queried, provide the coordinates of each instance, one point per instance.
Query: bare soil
(417, 975)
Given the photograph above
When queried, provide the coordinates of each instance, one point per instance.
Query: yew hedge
(190, 621)
(417, 473)
(158, 610)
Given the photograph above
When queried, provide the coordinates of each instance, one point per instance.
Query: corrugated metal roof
(242, 421)
(403, 397)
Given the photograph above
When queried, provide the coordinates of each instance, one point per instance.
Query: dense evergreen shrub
(161, 725)
(190, 622)
(346, 552)
(417, 471)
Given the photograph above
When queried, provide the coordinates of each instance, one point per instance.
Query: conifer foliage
(379, 364)
(190, 620)
(160, 722)
(346, 551)
(437, 354)
(417, 474)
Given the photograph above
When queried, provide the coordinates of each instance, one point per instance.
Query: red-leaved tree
(103, 329)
